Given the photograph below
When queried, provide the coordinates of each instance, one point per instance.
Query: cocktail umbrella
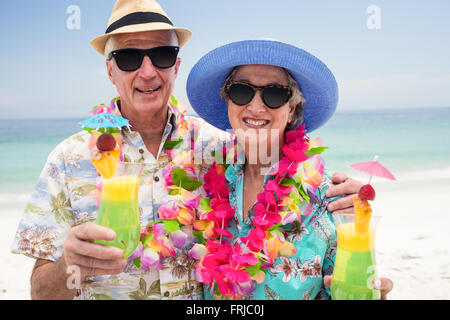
(363, 211)
(374, 168)
(105, 120)
(106, 161)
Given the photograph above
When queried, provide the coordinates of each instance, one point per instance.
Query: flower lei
(160, 239)
(232, 271)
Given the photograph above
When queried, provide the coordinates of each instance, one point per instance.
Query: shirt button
(156, 178)
(141, 151)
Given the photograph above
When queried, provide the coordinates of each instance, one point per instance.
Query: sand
(412, 241)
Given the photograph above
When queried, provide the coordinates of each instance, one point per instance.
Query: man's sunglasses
(273, 96)
(131, 59)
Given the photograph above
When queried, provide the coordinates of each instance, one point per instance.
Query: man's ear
(109, 66)
(177, 66)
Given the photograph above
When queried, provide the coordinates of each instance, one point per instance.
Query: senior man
(55, 229)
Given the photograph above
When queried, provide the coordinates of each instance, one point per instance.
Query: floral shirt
(299, 276)
(66, 195)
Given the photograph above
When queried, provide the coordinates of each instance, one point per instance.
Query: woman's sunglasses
(131, 59)
(273, 96)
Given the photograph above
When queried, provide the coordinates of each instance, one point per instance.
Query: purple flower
(150, 257)
(178, 238)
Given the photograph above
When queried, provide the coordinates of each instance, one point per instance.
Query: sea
(414, 144)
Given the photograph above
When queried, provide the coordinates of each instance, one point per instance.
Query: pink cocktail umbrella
(374, 168)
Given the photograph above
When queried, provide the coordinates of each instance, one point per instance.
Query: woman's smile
(255, 123)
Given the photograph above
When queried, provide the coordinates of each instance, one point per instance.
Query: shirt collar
(170, 125)
(134, 139)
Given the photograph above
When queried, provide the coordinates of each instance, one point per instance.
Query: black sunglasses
(273, 96)
(131, 59)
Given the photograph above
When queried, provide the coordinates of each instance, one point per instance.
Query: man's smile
(148, 90)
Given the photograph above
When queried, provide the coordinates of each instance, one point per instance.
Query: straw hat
(137, 16)
(315, 80)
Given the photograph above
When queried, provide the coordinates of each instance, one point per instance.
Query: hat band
(138, 18)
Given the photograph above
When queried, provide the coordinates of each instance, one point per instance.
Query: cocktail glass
(119, 211)
(355, 265)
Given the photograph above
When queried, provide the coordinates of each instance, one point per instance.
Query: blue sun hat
(315, 80)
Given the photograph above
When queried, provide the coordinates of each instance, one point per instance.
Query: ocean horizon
(411, 143)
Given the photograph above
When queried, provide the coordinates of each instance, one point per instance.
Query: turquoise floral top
(299, 276)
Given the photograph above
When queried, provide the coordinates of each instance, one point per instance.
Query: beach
(411, 246)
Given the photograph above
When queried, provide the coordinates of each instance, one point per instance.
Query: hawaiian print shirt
(66, 196)
(299, 276)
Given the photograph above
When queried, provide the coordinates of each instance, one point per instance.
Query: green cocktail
(355, 265)
(119, 211)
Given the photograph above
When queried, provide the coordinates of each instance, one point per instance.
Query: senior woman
(283, 239)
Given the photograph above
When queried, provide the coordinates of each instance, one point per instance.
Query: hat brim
(315, 80)
(183, 34)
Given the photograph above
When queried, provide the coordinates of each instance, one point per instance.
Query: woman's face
(255, 118)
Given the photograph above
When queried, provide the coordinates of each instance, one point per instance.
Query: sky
(384, 54)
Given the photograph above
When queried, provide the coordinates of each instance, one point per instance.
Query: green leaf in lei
(180, 178)
(112, 130)
(61, 208)
(253, 269)
(287, 182)
(291, 182)
(137, 262)
(172, 144)
(146, 239)
(317, 150)
(199, 235)
(204, 205)
(275, 226)
(173, 100)
(101, 105)
(171, 225)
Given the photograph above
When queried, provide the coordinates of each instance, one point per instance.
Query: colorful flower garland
(232, 271)
(160, 239)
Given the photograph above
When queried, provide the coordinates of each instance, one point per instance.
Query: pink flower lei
(232, 271)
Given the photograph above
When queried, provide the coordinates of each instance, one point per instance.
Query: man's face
(148, 89)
